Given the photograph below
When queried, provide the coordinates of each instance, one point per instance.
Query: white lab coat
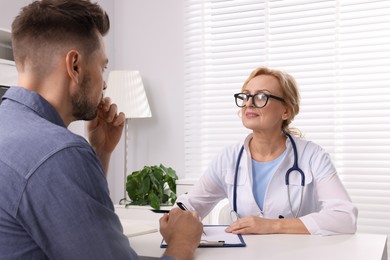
(326, 208)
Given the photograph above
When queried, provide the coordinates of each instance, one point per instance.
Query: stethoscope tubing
(295, 167)
(235, 179)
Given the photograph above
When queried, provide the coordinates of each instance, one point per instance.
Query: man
(54, 199)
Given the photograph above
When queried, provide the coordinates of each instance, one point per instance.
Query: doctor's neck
(267, 147)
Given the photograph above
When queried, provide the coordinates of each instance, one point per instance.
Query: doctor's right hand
(182, 231)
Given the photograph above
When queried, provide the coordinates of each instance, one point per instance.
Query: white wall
(148, 36)
(8, 10)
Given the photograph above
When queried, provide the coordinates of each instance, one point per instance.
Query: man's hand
(104, 132)
(182, 231)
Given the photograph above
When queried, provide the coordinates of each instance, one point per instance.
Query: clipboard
(217, 237)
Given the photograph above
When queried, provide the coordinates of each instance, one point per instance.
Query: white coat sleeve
(207, 191)
(337, 215)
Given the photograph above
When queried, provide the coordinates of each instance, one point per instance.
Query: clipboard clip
(205, 243)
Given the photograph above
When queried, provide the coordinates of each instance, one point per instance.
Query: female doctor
(275, 181)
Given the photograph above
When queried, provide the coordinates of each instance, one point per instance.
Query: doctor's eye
(260, 99)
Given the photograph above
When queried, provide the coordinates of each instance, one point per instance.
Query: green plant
(153, 185)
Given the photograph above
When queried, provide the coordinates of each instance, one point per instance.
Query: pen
(160, 210)
(183, 207)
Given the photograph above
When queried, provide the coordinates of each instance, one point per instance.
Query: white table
(275, 247)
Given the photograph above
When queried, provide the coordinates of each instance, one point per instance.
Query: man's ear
(73, 65)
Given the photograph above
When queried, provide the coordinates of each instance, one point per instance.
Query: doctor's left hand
(258, 225)
(251, 225)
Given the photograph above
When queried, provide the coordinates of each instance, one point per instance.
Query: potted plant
(153, 185)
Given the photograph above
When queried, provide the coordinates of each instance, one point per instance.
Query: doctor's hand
(104, 132)
(258, 225)
(182, 231)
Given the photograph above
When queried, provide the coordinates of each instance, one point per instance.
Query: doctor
(276, 181)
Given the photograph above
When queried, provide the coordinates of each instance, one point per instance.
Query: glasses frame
(248, 96)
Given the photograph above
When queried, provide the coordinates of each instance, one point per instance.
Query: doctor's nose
(249, 102)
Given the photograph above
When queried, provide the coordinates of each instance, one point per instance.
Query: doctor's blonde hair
(290, 91)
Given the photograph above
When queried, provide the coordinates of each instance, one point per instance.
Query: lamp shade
(126, 90)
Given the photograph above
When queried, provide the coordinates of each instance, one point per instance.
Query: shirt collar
(35, 102)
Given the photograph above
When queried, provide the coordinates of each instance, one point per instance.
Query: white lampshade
(126, 90)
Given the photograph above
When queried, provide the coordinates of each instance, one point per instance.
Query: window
(339, 52)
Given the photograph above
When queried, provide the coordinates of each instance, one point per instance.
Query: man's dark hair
(42, 27)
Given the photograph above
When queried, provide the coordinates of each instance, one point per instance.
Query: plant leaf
(152, 185)
(154, 202)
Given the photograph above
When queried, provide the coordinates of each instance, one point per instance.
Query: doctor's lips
(251, 114)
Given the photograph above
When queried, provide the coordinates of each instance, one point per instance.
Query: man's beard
(83, 108)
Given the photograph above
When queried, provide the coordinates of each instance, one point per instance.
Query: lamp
(126, 90)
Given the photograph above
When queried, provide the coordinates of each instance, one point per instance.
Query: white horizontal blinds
(363, 113)
(222, 47)
(302, 38)
(194, 73)
(339, 52)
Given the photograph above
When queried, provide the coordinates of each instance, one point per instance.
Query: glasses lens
(260, 100)
(241, 99)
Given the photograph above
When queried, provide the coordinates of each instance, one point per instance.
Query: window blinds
(338, 51)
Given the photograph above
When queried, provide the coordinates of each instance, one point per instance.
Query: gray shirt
(54, 198)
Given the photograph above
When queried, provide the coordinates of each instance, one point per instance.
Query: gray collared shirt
(54, 198)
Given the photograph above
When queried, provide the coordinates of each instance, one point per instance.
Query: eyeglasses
(259, 100)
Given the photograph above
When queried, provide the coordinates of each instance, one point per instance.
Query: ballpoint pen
(183, 207)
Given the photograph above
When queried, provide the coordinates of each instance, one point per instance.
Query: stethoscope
(295, 167)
